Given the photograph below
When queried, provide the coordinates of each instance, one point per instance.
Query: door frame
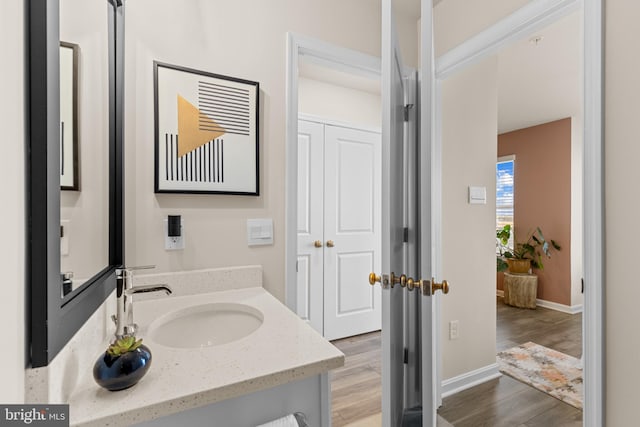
(333, 56)
(531, 17)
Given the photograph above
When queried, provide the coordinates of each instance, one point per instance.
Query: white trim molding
(535, 15)
(594, 239)
(470, 379)
(569, 309)
(339, 58)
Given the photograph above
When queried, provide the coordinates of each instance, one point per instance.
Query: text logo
(36, 415)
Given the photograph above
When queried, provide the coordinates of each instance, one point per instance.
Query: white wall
(622, 174)
(469, 147)
(12, 194)
(339, 103)
(457, 20)
(246, 39)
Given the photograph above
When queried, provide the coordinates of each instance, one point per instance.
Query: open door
(396, 174)
(429, 195)
(392, 221)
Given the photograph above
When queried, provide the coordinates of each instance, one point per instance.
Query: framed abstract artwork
(69, 168)
(206, 132)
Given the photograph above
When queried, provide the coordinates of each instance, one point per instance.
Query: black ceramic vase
(120, 372)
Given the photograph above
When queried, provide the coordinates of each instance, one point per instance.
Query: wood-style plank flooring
(356, 387)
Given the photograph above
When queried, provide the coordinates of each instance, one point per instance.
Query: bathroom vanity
(259, 374)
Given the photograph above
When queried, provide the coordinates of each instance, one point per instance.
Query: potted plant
(524, 255)
(123, 364)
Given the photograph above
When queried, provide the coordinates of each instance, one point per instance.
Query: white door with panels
(339, 184)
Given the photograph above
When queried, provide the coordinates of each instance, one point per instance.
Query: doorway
(480, 86)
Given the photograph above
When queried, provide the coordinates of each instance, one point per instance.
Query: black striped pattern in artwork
(204, 164)
(228, 106)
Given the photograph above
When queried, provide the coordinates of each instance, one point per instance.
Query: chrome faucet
(124, 294)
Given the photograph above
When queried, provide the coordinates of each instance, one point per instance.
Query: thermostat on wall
(260, 231)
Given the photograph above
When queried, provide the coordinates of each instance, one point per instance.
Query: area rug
(550, 371)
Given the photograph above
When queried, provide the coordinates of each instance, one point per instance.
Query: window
(504, 193)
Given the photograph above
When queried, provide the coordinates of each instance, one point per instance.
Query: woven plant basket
(519, 266)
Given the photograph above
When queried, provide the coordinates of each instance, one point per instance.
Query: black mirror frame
(55, 320)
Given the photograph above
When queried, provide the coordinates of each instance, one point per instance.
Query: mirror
(84, 141)
(92, 203)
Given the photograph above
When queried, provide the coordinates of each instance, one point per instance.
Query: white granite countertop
(283, 349)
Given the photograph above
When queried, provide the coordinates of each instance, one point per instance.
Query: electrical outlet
(454, 329)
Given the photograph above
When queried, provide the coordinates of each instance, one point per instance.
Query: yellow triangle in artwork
(194, 127)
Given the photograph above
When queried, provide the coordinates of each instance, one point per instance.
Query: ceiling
(537, 83)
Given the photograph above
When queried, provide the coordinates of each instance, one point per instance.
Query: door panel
(352, 225)
(310, 223)
(354, 299)
(304, 287)
(392, 219)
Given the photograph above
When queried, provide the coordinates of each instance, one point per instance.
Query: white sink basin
(205, 325)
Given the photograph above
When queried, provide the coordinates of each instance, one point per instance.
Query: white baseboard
(570, 309)
(470, 379)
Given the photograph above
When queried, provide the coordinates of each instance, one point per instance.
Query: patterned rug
(550, 371)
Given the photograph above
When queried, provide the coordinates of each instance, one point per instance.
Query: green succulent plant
(124, 345)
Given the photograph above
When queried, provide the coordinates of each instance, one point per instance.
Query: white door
(393, 188)
(392, 220)
(310, 262)
(352, 232)
(338, 228)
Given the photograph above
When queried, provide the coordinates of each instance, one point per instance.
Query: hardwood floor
(356, 387)
(356, 391)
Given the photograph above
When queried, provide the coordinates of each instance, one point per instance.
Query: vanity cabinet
(310, 396)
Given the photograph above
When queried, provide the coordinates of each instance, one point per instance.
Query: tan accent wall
(542, 198)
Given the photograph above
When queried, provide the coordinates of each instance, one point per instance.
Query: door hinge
(405, 235)
(296, 266)
(406, 111)
(406, 356)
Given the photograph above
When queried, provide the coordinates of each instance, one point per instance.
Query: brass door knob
(374, 278)
(330, 243)
(317, 244)
(444, 286)
(402, 280)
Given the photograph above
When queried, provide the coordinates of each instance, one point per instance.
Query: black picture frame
(218, 117)
(69, 172)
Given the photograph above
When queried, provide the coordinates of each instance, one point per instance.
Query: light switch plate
(260, 231)
(478, 195)
(173, 243)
